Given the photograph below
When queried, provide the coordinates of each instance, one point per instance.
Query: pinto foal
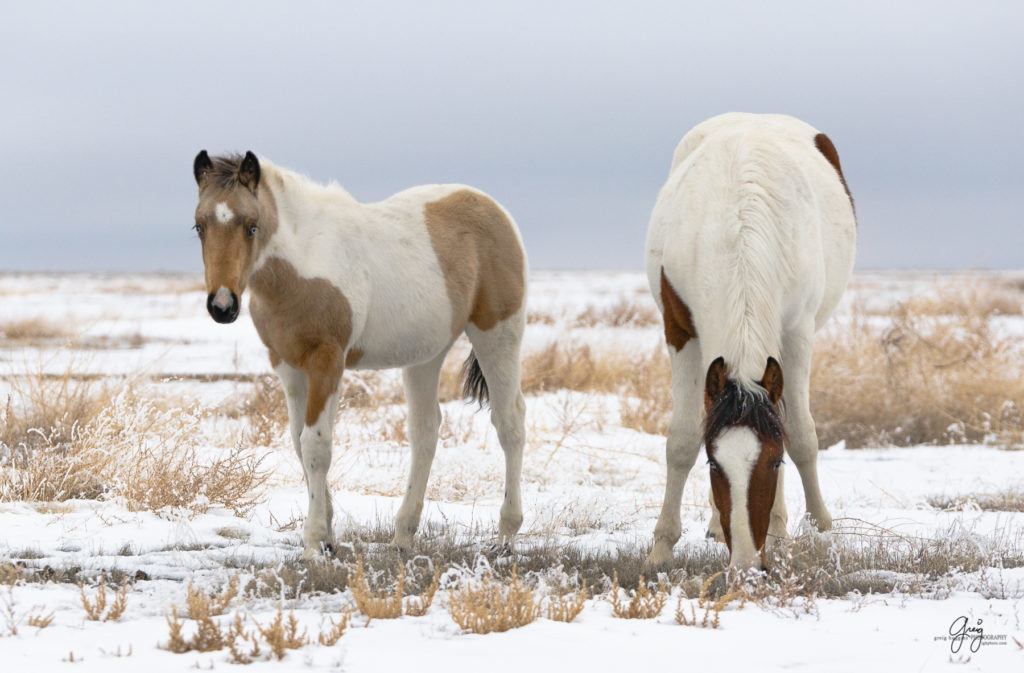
(336, 283)
(749, 249)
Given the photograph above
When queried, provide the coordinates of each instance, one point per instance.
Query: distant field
(143, 443)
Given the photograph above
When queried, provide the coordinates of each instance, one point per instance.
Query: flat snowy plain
(588, 482)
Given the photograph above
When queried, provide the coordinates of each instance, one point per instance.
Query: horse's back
(447, 243)
(759, 182)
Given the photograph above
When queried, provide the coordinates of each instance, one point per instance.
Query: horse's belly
(411, 338)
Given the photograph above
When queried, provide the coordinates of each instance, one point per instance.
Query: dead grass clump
(97, 609)
(42, 407)
(977, 297)
(124, 447)
(712, 607)
(282, 635)
(32, 329)
(267, 412)
(918, 378)
(567, 606)
(568, 365)
(201, 604)
(390, 603)
(279, 635)
(643, 603)
(623, 313)
(492, 606)
(335, 630)
(1007, 500)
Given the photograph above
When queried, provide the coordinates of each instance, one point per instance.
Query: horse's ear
(714, 382)
(201, 167)
(772, 380)
(249, 172)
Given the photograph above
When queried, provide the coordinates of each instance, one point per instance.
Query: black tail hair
(474, 385)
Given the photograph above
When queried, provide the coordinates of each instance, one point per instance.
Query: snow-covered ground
(588, 481)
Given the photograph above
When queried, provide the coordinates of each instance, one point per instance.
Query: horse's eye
(199, 228)
(714, 466)
(777, 464)
(252, 230)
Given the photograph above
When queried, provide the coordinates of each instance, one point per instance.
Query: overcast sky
(566, 112)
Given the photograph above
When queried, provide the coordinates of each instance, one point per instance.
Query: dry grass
(567, 606)
(390, 603)
(32, 329)
(69, 439)
(968, 296)
(335, 630)
(914, 377)
(493, 606)
(1006, 500)
(931, 370)
(202, 605)
(97, 609)
(643, 603)
(245, 645)
(624, 313)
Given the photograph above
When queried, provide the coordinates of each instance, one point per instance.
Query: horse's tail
(474, 385)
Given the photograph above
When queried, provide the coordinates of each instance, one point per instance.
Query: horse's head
(229, 227)
(744, 438)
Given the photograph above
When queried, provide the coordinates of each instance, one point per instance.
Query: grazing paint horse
(336, 283)
(750, 247)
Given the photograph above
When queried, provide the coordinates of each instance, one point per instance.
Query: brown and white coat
(340, 284)
(749, 249)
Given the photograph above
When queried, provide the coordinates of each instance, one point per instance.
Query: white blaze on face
(736, 451)
(223, 212)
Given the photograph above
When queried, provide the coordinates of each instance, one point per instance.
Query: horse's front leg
(323, 370)
(296, 387)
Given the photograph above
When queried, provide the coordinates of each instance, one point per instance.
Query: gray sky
(566, 112)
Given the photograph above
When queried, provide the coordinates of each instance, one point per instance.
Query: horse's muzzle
(222, 305)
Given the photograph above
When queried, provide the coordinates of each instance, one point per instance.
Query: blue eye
(252, 230)
(199, 229)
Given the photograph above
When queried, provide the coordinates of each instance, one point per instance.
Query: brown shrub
(390, 603)
(97, 610)
(567, 606)
(492, 606)
(643, 603)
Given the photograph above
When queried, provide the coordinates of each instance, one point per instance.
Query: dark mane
(224, 173)
(739, 405)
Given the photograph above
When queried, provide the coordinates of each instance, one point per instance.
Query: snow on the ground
(587, 480)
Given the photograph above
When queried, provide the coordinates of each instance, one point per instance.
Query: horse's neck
(310, 214)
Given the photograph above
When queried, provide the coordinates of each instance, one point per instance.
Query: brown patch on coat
(306, 322)
(723, 501)
(764, 479)
(480, 256)
(678, 321)
(825, 146)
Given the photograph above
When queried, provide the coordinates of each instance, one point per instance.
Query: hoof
(659, 559)
(499, 549)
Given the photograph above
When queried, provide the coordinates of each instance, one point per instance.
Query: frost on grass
(127, 449)
(488, 605)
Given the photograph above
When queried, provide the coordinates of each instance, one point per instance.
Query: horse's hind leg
(497, 352)
(420, 383)
(803, 440)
